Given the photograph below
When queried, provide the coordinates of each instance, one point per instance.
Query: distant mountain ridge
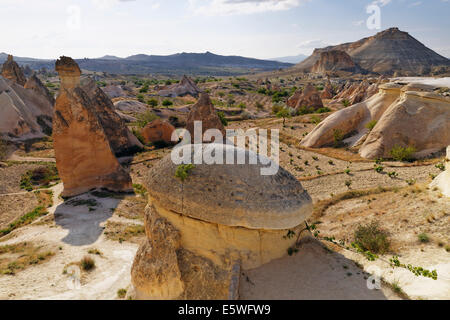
(387, 52)
(291, 59)
(180, 63)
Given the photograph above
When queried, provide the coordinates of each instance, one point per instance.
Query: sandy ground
(312, 273)
(72, 232)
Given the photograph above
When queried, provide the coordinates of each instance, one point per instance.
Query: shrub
(276, 108)
(378, 169)
(242, 106)
(372, 238)
(400, 153)
(259, 105)
(348, 183)
(424, 238)
(315, 119)
(222, 118)
(338, 136)
(167, 103)
(140, 98)
(121, 293)
(371, 124)
(283, 113)
(183, 171)
(152, 102)
(144, 118)
(345, 103)
(323, 110)
(87, 263)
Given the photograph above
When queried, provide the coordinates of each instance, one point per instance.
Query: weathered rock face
(185, 87)
(204, 111)
(122, 141)
(309, 98)
(12, 71)
(328, 91)
(442, 181)
(335, 60)
(217, 222)
(356, 93)
(24, 113)
(158, 131)
(410, 115)
(84, 156)
(35, 84)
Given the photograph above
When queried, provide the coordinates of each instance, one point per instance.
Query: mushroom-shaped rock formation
(35, 84)
(410, 115)
(222, 218)
(309, 98)
(442, 181)
(158, 131)
(184, 87)
(204, 111)
(84, 156)
(122, 141)
(12, 71)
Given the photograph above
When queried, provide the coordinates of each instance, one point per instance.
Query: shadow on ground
(311, 274)
(83, 216)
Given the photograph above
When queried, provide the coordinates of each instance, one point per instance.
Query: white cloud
(312, 44)
(230, 7)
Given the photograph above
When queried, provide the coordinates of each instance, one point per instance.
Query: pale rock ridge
(442, 181)
(84, 156)
(411, 115)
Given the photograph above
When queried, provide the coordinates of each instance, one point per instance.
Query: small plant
(338, 137)
(424, 238)
(348, 183)
(87, 263)
(167, 103)
(290, 234)
(400, 153)
(393, 175)
(315, 158)
(140, 98)
(345, 103)
(222, 118)
(371, 124)
(283, 113)
(331, 162)
(242, 106)
(152, 103)
(121, 293)
(440, 166)
(315, 120)
(372, 238)
(396, 287)
(347, 171)
(411, 182)
(95, 252)
(183, 171)
(379, 169)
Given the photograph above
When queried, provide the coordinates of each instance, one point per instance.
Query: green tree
(283, 113)
(144, 118)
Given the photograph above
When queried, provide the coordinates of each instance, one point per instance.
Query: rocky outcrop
(84, 156)
(122, 141)
(185, 87)
(204, 111)
(158, 131)
(387, 52)
(116, 91)
(355, 93)
(35, 84)
(201, 232)
(401, 115)
(442, 181)
(308, 98)
(328, 91)
(12, 71)
(24, 113)
(333, 61)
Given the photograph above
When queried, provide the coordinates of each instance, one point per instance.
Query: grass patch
(400, 153)
(424, 238)
(372, 238)
(24, 220)
(17, 257)
(124, 232)
(39, 177)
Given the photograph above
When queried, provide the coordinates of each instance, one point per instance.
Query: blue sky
(254, 28)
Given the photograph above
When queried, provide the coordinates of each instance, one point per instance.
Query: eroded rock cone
(204, 111)
(310, 98)
(185, 87)
(122, 141)
(202, 231)
(328, 91)
(35, 84)
(84, 156)
(12, 71)
(158, 131)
